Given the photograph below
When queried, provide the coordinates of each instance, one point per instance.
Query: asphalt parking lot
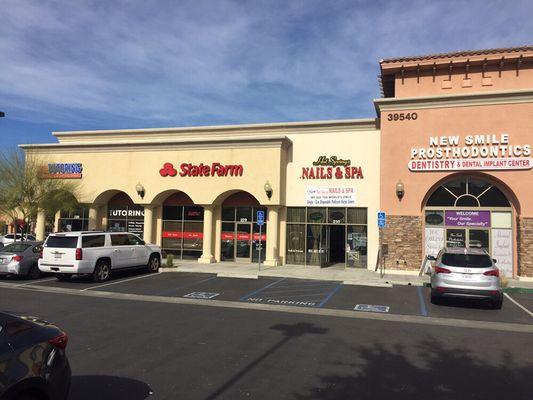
(130, 339)
(402, 300)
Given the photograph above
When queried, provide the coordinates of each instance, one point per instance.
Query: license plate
(466, 276)
(57, 256)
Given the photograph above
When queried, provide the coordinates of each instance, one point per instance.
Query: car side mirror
(431, 258)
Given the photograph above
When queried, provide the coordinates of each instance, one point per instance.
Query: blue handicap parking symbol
(260, 217)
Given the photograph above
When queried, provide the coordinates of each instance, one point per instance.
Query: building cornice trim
(454, 100)
(177, 144)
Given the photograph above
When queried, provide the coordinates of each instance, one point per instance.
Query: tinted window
(15, 248)
(467, 260)
(62, 242)
(134, 240)
(93, 241)
(120, 240)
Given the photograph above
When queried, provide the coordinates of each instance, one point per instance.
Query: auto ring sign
(473, 152)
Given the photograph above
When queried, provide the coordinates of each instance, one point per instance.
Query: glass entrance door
(243, 243)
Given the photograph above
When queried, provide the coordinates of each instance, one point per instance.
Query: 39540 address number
(402, 116)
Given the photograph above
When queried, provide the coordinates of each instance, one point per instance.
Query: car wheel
(102, 271)
(63, 277)
(497, 304)
(34, 272)
(154, 263)
(435, 299)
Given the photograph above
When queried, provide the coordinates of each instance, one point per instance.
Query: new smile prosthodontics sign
(474, 152)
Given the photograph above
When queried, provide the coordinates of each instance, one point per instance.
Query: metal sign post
(260, 220)
(382, 222)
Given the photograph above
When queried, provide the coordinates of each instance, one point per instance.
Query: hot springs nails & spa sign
(332, 168)
(473, 152)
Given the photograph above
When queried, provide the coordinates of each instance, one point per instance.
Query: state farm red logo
(168, 170)
(214, 169)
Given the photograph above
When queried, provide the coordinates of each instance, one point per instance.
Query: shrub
(170, 261)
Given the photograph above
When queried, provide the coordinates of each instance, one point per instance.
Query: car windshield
(14, 248)
(467, 260)
(62, 242)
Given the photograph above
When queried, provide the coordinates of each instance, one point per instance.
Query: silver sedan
(20, 259)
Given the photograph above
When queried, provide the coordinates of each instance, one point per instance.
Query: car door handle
(115, 250)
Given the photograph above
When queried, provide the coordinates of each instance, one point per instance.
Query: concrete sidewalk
(348, 276)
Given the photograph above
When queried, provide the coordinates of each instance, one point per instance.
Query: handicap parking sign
(382, 219)
(260, 217)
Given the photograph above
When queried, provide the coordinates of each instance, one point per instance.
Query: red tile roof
(459, 54)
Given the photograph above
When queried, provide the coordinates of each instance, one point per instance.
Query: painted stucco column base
(148, 223)
(40, 225)
(272, 249)
(207, 253)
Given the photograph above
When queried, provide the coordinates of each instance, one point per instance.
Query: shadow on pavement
(104, 387)
(289, 332)
(433, 372)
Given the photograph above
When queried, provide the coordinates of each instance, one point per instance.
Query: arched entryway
(241, 237)
(123, 215)
(470, 211)
(182, 230)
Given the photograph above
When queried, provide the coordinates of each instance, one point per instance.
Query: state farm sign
(474, 152)
(213, 169)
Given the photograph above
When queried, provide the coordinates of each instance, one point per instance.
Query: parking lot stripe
(36, 282)
(330, 295)
(261, 289)
(123, 280)
(176, 289)
(518, 304)
(423, 309)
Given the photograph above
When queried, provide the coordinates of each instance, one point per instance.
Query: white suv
(96, 254)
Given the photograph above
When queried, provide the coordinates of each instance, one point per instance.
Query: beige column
(207, 254)
(158, 211)
(148, 223)
(40, 225)
(56, 221)
(93, 217)
(272, 250)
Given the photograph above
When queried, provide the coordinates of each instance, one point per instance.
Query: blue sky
(77, 65)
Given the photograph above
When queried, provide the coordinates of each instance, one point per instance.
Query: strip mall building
(447, 159)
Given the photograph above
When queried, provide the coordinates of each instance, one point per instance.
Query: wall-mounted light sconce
(140, 190)
(400, 190)
(268, 189)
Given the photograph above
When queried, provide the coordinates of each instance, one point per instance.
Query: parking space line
(423, 308)
(123, 280)
(519, 305)
(176, 289)
(36, 282)
(245, 297)
(330, 295)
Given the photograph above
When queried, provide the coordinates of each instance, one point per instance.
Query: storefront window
(316, 215)
(126, 219)
(183, 231)
(239, 240)
(296, 243)
(356, 246)
(75, 220)
(331, 236)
